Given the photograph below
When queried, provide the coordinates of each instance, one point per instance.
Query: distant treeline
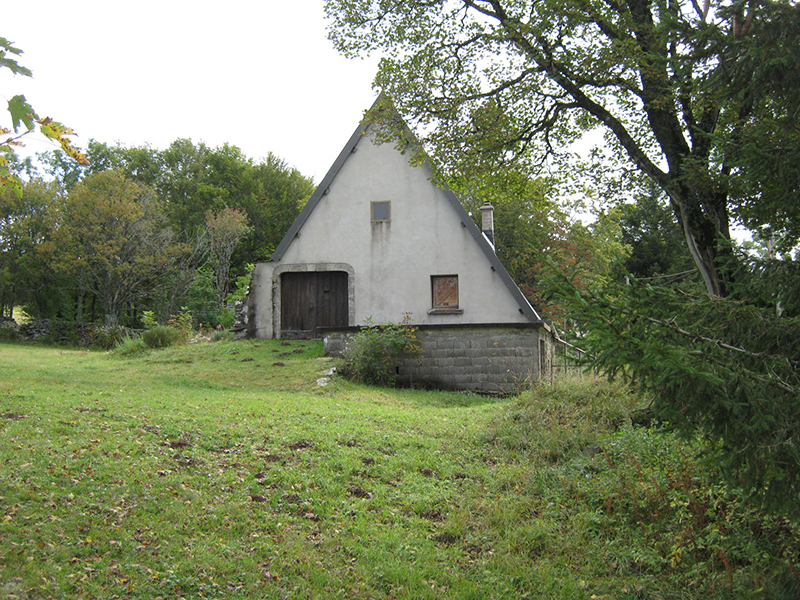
(141, 229)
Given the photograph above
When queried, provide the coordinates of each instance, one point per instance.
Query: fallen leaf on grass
(12, 416)
(359, 492)
(300, 445)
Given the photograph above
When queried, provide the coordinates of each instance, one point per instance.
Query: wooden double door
(312, 299)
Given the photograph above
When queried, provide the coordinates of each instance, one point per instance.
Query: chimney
(487, 222)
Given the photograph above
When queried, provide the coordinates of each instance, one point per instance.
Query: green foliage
(226, 229)
(131, 347)
(653, 234)
(194, 179)
(641, 493)
(183, 322)
(106, 338)
(149, 319)
(114, 242)
(371, 354)
(221, 336)
(23, 114)
(241, 285)
(201, 300)
(8, 331)
(181, 186)
(721, 369)
(768, 282)
(30, 248)
(177, 330)
(565, 419)
(162, 336)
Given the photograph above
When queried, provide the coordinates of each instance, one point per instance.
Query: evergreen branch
(774, 380)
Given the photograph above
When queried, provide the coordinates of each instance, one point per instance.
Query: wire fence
(568, 358)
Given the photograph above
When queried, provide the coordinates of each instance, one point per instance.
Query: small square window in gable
(445, 291)
(381, 211)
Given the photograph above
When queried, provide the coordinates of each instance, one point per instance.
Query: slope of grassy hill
(227, 471)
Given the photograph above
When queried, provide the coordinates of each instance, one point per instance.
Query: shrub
(130, 346)
(107, 338)
(222, 336)
(9, 331)
(182, 322)
(723, 369)
(555, 422)
(162, 336)
(371, 355)
(149, 319)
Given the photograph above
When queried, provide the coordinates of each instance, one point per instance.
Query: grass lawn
(225, 471)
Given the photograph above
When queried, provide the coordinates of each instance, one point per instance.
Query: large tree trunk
(703, 216)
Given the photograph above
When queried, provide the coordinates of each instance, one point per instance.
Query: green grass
(225, 471)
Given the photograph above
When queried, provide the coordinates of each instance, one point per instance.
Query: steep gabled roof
(486, 247)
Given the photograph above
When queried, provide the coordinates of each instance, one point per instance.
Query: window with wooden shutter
(445, 291)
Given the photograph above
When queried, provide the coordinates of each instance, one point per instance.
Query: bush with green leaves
(162, 336)
(637, 500)
(130, 347)
(202, 302)
(221, 336)
(372, 354)
(241, 285)
(149, 319)
(9, 331)
(106, 338)
(183, 322)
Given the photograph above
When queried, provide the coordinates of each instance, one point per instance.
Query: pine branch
(774, 380)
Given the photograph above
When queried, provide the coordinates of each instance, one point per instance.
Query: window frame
(445, 308)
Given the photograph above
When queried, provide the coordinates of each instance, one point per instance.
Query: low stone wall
(502, 359)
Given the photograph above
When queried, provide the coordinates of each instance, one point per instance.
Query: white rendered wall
(392, 262)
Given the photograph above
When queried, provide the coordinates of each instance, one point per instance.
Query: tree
(192, 179)
(715, 368)
(115, 243)
(28, 249)
(281, 192)
(674, 85)
(531, 232)
(226, 229)
(649, 229)
(24, 117)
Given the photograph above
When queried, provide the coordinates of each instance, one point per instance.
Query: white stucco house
(378, 240)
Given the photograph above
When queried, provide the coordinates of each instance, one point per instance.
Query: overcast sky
(257, 74)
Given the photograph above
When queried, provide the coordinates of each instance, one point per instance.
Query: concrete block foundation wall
(502, 359)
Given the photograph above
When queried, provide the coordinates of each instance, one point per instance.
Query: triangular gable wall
(486, 248)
